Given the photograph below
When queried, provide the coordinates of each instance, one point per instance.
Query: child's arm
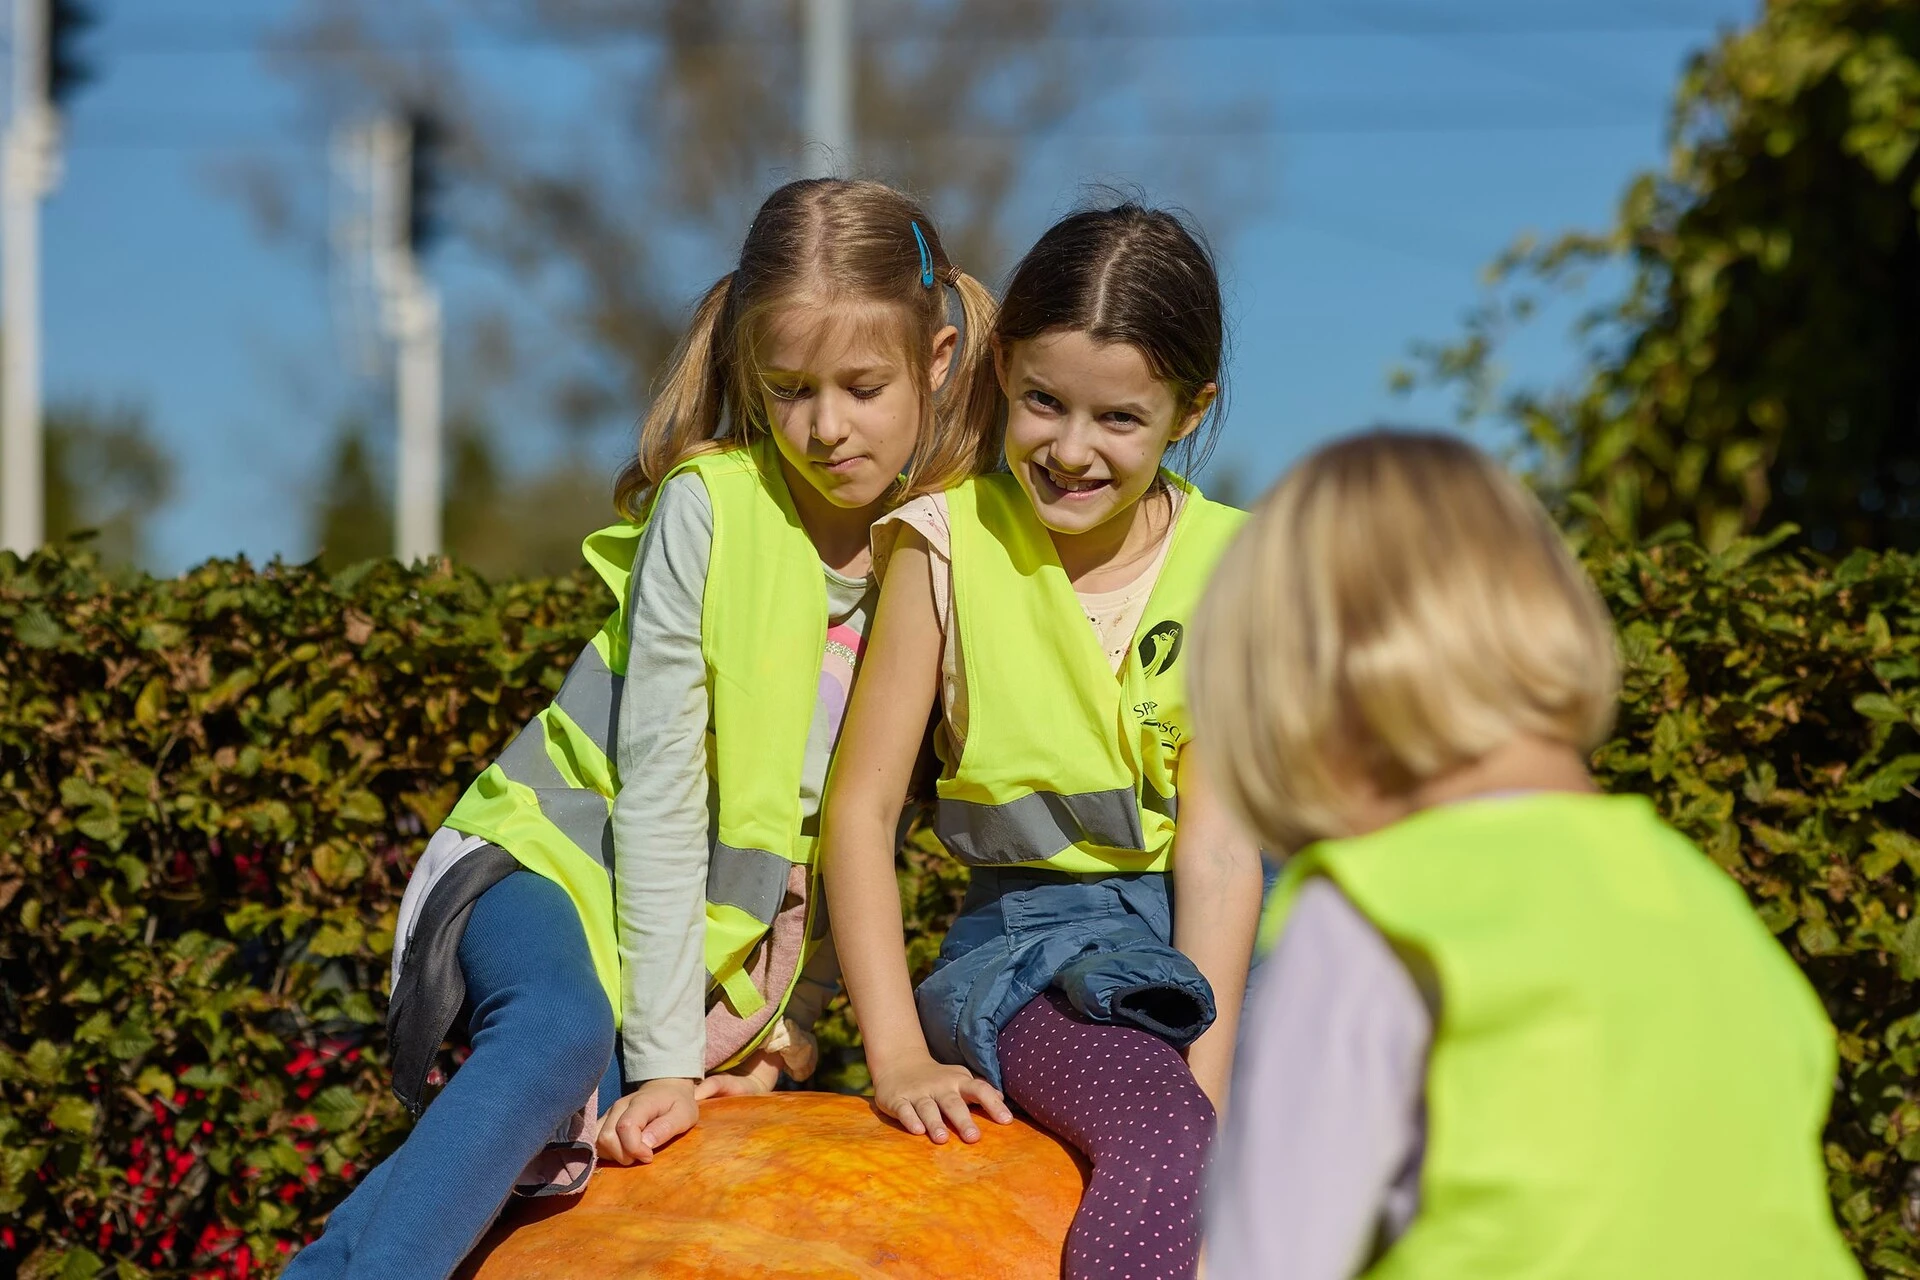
(896, 687)
(1216, 909)
(660, 836)
(1321, 1164)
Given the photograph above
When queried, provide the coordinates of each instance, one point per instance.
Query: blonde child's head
(1397, 608)
(833, 274)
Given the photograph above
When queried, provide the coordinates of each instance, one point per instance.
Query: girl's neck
(1109, 556)
(839, 534)
(1523, 763)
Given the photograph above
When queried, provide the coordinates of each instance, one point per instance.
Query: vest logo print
(1148, 715)
(1160, 647)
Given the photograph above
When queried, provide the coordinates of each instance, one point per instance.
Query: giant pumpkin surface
(803, 1184)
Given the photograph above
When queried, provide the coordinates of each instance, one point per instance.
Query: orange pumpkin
(803, 1184)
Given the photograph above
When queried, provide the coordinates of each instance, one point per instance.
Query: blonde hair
(822, 243)
(1397, 606)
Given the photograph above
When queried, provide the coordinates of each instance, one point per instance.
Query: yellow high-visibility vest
(548, 799)
(1065, 764)
(1629, 1076)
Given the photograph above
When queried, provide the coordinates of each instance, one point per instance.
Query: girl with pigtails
(636, 871)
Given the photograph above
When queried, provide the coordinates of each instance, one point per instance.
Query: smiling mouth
(1070, 486)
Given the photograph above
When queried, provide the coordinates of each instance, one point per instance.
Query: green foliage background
(212, 787)
(1759, 365)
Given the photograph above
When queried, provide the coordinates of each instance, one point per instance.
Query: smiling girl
(640, 858)
(1046, 609)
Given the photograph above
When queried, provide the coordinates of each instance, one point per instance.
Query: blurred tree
(608, 205)
(529, 528)
(105, 474)
(353, 507)
(1763, 364)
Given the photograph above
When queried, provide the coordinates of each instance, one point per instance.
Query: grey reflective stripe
(1038, 825)
(526, 760)
(583, 815)
(1167, 806)
(585, 818)
(591, 698)
(751, 879)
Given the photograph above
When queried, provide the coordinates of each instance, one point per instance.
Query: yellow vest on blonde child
(1628, 1077)
(548, 799)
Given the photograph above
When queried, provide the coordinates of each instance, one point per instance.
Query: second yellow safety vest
(1066, 765)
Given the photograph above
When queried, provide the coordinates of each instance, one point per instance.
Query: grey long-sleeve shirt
(1317, 1168)
(663, 814)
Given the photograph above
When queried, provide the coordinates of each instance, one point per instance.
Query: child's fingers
(631, 1133)
(668, 1125)
(607, 1146)
(988, 1099)
(931, 1120)
(901, 1109)
(637, 1126)
(954, 1107)
(727, 1086)
(606, 1140)
(619, 1140)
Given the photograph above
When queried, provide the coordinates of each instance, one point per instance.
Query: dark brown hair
(1122, 274)
(820, 242)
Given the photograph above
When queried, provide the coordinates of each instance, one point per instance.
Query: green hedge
(213, 785)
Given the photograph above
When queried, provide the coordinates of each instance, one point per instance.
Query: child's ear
(1000, 364)
(1196, 411)
(944, 344)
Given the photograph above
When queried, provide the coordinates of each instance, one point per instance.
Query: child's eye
(785, 391)
(1119, 419)
(1042, 401)
(867, 393)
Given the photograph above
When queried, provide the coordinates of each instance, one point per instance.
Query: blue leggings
(542, 1034)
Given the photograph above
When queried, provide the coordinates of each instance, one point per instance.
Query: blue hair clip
(926, 257)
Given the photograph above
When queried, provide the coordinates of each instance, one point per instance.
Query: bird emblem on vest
(1161, 646)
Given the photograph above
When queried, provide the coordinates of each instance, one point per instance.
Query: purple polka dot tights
(1126, 1101)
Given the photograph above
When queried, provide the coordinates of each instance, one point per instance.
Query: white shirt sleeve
(661, 840)
(1319, 1159)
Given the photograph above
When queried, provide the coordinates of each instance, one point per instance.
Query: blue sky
(1406, 144)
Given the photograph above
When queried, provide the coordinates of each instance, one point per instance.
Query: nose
(830, 421)
(1072, 448)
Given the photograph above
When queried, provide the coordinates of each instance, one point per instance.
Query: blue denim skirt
(1105, 941)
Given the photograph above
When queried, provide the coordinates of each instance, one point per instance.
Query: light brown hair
(821, 243)
(1396, 607)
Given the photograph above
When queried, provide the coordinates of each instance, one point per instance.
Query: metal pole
(829, 88)
(417, 499)
(27, 165)
(412, 317)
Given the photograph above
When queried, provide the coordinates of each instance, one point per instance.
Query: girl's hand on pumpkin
(643, 1121)
(757, 1074)
(927, 1097)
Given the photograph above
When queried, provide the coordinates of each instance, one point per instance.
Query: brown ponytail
(684, 419)
(820, 242)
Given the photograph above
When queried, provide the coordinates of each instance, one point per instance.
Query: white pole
(412, 316)
(417, 515)
(27, 165)
(829, 88)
